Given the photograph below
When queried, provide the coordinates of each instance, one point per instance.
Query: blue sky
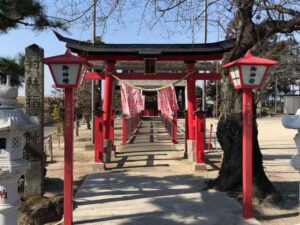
(15, 41)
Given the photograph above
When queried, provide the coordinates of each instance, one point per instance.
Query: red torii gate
(112, 53)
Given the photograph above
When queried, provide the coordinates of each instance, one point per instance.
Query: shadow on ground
(135, 198)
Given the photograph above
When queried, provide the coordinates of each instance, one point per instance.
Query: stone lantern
(293, 122)
(13, 123)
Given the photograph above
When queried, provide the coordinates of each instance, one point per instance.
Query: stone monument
(34, 106)
(13, 123)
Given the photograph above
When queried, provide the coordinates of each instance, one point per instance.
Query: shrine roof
(82, 47)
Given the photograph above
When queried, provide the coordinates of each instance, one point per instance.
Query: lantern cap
(67, 69)
(67, 58)
(249, 59)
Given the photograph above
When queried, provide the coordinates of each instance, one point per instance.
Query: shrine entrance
(150, 68)
(150, 104)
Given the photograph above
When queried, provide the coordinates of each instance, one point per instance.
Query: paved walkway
(148, 182)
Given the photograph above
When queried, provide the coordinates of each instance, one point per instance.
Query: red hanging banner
(133, 102)
(167, 101)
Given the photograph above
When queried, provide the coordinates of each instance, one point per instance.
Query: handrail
(170, 123)
(130, 125)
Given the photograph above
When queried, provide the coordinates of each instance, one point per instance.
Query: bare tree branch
(171, 5)
(280, 9)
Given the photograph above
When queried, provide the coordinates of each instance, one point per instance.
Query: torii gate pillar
(191, 107)
(108, 99)
(191, 103)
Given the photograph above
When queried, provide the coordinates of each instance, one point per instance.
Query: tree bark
(229, 133)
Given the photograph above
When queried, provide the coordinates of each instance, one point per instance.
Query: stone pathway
(148, 182)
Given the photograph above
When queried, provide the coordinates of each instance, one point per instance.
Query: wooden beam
(158, 76)
(137, 57)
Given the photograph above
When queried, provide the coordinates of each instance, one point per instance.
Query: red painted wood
(186, 131)
(247, 152)
(191, 102)
(98, 137)
(124, 128)
(68, 156)
(94, 76)
(157, 76)
(112, 127)
(199, 137)
(174, 126)
(149, 112)
(136, 57)
(107, 100)
(249, 59)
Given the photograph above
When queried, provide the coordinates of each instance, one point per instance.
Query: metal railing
(170, 123)
(129, 126)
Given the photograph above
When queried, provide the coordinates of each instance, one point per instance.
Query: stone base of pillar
(98, 166)
(89, 147)
(108, 149)
(190, 150)
(199, 166)
(34, 180)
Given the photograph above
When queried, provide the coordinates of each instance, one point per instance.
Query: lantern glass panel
(66, 74)
(235, 76)
(253, 74)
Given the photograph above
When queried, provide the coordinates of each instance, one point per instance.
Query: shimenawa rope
(152, 89)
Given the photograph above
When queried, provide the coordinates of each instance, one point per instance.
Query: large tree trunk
(230, 176)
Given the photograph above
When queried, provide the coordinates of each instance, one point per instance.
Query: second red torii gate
(110, 54)
(191, 91)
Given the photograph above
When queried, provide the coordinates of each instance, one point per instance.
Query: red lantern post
(67, 72)
(199, 140)
(248, 73)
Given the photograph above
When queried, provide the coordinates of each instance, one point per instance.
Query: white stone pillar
(9, 199)
(295, 161)
(293, 122)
